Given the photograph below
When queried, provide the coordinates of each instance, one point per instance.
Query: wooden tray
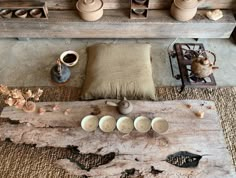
(25, 5)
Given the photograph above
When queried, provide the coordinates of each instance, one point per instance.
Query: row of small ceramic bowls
(124, 124)
(21, 13)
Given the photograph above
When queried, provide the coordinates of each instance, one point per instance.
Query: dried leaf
(200, 114)
(10, 101)
(4, 90)
(184, 159)
(28, 94)
(55, 107)
(16, 94)
(67, 111)
(20, 103)
(41, 111)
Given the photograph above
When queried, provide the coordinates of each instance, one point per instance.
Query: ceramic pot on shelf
(184, 10)
(90, 10)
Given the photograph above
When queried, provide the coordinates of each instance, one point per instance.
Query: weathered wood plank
(186, 133)
(154, 4)
(116, 24)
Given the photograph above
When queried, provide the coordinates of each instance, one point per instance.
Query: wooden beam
(116, 24)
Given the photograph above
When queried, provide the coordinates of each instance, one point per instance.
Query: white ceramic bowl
(159, 125)
(142, 124)
(69, 58)
(21, 13)
(89, 123)
(107, 123)
(125, 124)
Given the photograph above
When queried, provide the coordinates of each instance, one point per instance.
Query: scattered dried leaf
(200, 114)
(41, 111)
(189, 106)
(55, 107)
(67, 111)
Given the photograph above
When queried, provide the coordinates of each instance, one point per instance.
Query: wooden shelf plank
(116, 24)
(154, 4)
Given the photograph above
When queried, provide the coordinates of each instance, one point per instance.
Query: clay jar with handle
(90, 10)
(124, 106)
(184, 10)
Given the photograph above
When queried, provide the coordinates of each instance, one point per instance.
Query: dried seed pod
(55, 107)
(41, 111)
(67, 111)
(184, 159)
(189, 106)
(200, 114)
(29, 106)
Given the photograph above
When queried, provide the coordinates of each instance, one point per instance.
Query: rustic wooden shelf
(116, 24)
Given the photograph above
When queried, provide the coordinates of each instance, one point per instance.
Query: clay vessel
(90, 10)
(124, 106)
(202, 67)
(60, 73)
(184, 10)
(6, 13)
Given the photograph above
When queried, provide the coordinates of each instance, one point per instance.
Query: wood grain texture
(154, 4)
(186, 133)
(116, 24)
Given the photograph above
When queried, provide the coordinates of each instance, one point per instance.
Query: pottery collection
(21, 13)
(90, 10)
(124, 124)
(184, 10)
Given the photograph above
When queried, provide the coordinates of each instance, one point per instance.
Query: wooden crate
(15, 5)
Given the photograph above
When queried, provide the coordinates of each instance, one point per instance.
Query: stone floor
(28, 63)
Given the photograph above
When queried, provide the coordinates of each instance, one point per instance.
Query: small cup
(36, 13)
(139, 11)
(142, 124)
(89, 123)
(6, 13)
(159, 125)
(125, 124)
(21, 13)
(107, 123)
(140, 1)
(69, 58)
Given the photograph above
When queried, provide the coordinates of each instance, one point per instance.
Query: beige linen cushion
(118, 70)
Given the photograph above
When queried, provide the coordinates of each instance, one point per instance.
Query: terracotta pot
(90, 10)
(184, 10)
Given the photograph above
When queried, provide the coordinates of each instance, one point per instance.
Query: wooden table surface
(187, 132)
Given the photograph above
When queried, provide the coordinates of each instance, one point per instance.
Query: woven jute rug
(26, 161)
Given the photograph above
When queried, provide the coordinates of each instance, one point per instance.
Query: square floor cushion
(118, 70)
